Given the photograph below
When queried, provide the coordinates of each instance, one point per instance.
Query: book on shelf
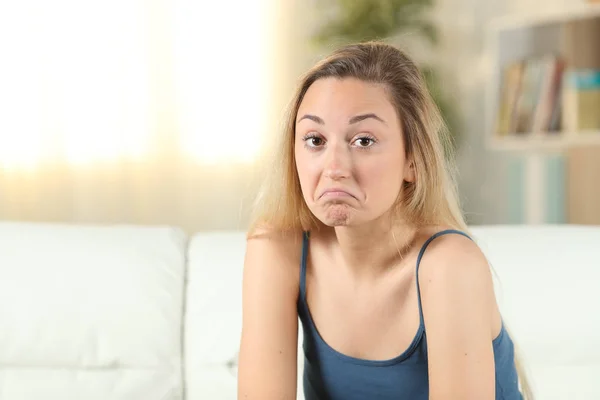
(530, 96)
(581, 100)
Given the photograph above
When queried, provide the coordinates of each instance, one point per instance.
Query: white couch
(131, 312)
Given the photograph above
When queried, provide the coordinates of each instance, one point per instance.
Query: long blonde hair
(431, 199)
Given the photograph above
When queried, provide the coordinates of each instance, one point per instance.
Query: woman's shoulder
(274, 254)
(445, 243)
(451, 263)
(457, 289)
(278, 240)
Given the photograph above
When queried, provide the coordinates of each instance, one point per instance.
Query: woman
(358, 233)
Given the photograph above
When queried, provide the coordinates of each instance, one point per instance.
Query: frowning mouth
(336, 194)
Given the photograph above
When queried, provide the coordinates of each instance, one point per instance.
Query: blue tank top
(331, 375)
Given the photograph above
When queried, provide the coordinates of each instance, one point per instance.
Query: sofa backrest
(90, 312)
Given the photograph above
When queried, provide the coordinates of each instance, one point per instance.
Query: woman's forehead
(335, 100)
(347, 95)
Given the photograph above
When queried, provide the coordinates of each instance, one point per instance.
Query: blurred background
(156, 111)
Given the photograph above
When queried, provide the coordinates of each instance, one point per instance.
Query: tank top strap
(305, 236)
(421, 252)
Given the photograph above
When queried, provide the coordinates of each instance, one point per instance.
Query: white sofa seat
(90, 313)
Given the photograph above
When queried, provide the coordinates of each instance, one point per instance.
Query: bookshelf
(574, 12)
(521, 38)
(543, 100)
(534, 141)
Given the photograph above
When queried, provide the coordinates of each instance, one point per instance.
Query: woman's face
(349, 149)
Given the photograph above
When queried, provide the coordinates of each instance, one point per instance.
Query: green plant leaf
(361, 20)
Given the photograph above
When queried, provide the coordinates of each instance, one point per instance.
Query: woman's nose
(338, 162)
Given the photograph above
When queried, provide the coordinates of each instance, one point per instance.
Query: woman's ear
(409, 171)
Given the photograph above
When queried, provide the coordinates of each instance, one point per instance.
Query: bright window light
(73, 81)
(88, 81)
(221, 63)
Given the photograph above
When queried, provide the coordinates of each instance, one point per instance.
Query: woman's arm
(461, 317)
(268, 350)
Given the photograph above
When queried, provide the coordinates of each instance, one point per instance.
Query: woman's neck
(371, 249)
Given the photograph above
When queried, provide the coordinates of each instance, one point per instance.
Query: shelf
(546, 17)
(544, 141)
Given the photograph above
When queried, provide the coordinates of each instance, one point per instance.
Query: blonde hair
(431, 199)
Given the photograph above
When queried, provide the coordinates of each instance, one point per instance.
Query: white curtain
(132, 111)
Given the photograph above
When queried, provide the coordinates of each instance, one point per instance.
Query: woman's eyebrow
(362, 117)
(353, 120)
(318, 120)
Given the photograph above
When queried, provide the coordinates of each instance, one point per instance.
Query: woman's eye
(314, 141)
(364, 142)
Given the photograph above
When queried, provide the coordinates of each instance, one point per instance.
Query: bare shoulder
(454, 259)
(274, 255)
(455, 279)
(268, 348)
(272, 270)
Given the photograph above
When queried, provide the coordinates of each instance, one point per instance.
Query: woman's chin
(337, 215)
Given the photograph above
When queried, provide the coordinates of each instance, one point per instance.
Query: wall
(462, 55)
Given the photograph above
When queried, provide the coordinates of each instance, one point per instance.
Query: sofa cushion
(547, 289)
(54, 383)
(214, 298)
(559, 382)
(216, 382)
(90, 312)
